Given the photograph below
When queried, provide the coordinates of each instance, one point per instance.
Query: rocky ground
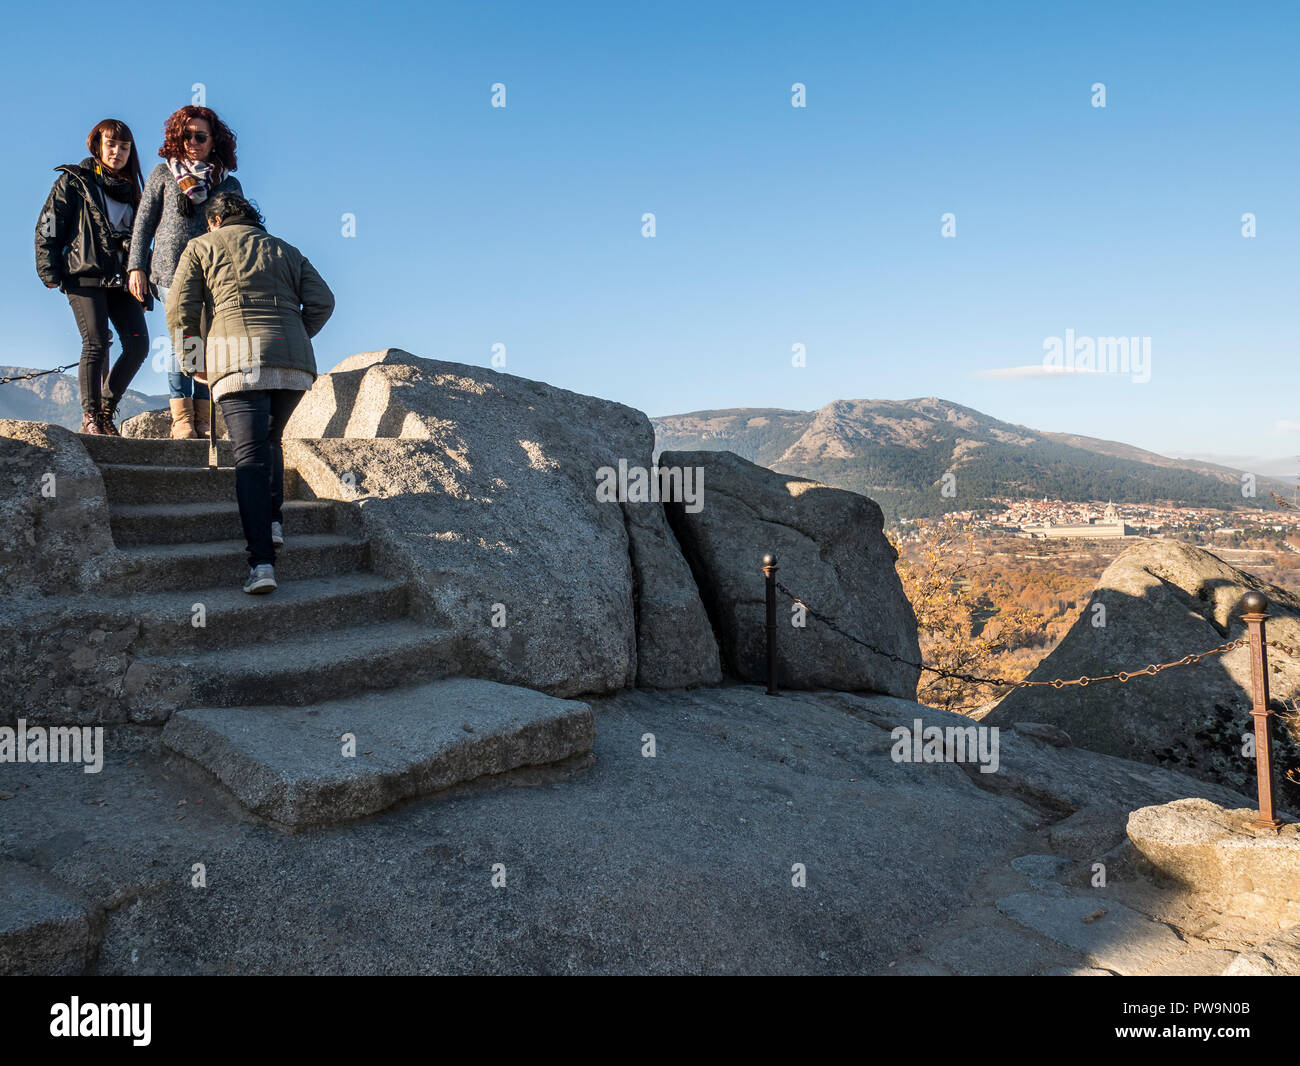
(622, 863)
(448, 540)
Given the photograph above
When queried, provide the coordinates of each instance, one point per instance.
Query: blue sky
(775, 225)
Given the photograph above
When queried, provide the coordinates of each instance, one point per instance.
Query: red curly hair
(223, 137)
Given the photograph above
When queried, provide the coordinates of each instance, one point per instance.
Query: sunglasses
(198, 136)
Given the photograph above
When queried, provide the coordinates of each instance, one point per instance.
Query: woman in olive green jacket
(266, 301)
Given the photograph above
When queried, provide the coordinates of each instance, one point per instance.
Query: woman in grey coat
(267, 301)
(198, 156)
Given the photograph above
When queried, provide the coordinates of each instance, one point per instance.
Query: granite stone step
(288, 764)
(231, 617)
(224, 563)
(128, 483)
(136, 524)
(44, 924)
(297, 669)
(155, 451)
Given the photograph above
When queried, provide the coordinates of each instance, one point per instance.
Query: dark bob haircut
(228, 206)
(117, 130)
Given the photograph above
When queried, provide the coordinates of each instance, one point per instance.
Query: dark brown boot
(90, 423)
(106, 413)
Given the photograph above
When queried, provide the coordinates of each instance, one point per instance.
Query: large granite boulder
(1161, 600)
(831, 553)
(481, 488)
(55, 545)
(53, 512)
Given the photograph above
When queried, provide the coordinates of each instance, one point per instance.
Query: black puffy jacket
(74, 241)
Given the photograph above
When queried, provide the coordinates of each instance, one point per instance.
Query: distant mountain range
(1282, 467)
(897, 452)
(56, 398)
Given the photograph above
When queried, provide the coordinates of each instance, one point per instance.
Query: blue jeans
(181, 386)
(178, 385)
(255, 421)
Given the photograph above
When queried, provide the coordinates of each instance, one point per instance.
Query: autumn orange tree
(964, 627)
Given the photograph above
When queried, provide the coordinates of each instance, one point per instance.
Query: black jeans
(256, 421)
(94, 308)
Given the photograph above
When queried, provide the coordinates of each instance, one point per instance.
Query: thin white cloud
(1285, 425)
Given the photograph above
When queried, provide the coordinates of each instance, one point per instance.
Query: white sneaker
(277, 535)
(261, 579)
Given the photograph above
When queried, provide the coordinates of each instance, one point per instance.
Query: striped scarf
(195, 178)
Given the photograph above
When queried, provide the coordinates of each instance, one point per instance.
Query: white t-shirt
(119, 214)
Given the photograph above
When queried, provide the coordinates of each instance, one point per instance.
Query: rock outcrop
(485, 515)
(488, 497)
(325, 702)
(831, 552)
(54, 525)
(1220, 855)
(1156, 603)
(480, 488)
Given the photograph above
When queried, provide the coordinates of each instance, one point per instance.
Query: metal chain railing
(1150, 670)
(1283, 648)
(1254, 612)
(36, 374)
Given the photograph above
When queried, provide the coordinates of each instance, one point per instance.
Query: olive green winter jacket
(264, 299)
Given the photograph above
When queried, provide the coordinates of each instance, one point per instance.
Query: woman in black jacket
(83, 239)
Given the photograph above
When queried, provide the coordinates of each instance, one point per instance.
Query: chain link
(1150, 669)
(1283, 648)
(36, 374)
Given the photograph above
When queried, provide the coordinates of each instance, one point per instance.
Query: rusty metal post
(1254, 610)
(769, 572)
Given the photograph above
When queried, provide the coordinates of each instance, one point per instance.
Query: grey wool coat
(159, 221)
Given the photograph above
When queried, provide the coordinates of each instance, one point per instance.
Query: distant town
(1046, 557)
(1047, 519)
